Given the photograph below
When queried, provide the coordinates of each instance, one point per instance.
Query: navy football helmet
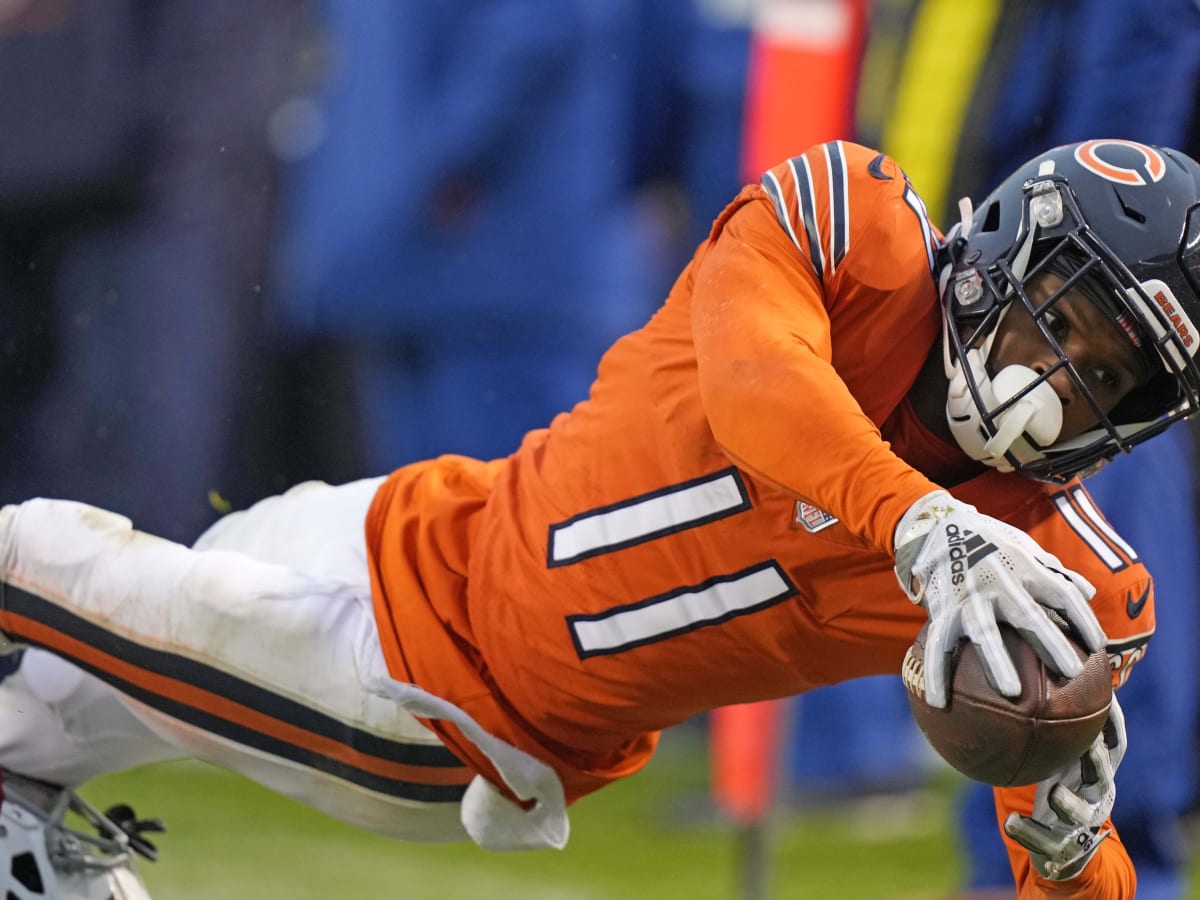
(1120, 221)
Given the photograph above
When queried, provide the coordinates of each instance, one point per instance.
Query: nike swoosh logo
(1135, 607)
(875, 168)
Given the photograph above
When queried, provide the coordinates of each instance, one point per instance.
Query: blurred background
(245, 243)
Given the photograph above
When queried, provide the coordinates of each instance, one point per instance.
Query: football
(1002, 741)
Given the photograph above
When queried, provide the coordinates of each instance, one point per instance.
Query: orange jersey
(714, 524)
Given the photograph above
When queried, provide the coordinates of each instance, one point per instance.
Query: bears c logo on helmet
(1090, 155)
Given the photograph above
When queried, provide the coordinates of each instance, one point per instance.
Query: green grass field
(230, 839)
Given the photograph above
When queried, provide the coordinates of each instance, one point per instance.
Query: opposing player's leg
(251, 664)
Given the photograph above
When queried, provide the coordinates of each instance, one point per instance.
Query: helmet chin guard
(1016, 412)
(1017, 403)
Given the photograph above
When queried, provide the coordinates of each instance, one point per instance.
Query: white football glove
(971, 572)
(1072, 806)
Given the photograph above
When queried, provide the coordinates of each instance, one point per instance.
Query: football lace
(912, 672)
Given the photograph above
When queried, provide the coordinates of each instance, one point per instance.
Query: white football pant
(255, 650)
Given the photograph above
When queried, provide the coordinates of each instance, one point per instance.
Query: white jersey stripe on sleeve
(805, 192)
(1088, 508)
(839, 204)
(775, 191)
(1088, 534)
(917, 205)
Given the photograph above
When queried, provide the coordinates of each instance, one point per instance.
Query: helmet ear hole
(991, 218)
(25, 872)
(1129, 211)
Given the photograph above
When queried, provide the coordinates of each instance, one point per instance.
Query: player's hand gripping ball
(1010, 741)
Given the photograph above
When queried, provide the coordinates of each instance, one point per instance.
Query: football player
(769, 488)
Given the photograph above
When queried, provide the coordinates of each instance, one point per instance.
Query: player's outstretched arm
(970, 572)
(1067, 837)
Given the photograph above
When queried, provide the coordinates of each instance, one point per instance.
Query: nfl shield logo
(812, 519)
